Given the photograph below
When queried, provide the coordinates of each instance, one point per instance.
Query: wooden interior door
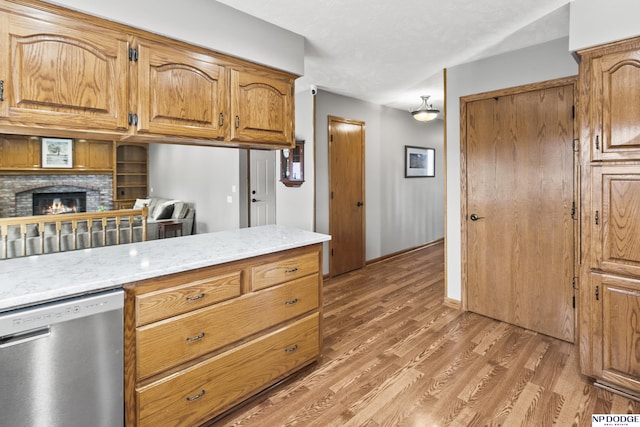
(519, 199)
(346, 198)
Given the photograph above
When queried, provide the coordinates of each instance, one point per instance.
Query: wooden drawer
(171, 342)
(205, 390)
(165, 303)
(285, 269)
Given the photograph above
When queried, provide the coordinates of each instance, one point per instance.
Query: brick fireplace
(16, 191)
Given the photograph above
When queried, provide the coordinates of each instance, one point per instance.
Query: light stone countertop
(41, 278)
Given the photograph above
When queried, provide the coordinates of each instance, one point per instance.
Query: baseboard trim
(617, 390)
(453, 303)
(405, 251)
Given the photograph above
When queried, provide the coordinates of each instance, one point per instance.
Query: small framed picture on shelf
(419, 162)
(57, 153)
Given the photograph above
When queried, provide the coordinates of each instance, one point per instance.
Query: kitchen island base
(200, 342)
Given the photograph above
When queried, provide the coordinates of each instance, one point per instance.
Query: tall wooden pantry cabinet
(610, 175)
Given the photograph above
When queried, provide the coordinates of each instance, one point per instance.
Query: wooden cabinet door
(96, 155)
(616, 320)
(615, 92)
(261, 107)
(616, 219)
(179, 93)
(63, 74)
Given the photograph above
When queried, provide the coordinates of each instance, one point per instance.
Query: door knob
(359, 204)
(255, 200)
(475, 217)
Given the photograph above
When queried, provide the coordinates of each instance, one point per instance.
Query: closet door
(520, 192)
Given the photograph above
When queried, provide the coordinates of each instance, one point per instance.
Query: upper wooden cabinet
(20, 153)
(615, 110)
(261, 107)
(64, 73)
(179, 93)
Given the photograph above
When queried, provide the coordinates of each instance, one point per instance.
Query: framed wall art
(419, 162)
(57, 153)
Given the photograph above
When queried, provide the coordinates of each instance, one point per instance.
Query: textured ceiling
(391, 53)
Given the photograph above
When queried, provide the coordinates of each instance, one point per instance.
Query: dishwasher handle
(24, 337)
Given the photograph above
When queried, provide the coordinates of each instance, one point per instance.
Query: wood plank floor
(394, 355)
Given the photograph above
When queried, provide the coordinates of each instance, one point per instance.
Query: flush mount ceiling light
(425, 111)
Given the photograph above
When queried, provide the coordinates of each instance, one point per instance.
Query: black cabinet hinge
(133, 54)
(573, 210)
(597, 142)
(132, 119)
(597, 293)
(574, 301)
(573, 111)
(331, 252)
(1, 90)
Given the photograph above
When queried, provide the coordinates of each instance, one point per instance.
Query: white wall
(206, 23)
(595, 22)
(294, 205)
(400, 213)
(546, 61)
(203, 176)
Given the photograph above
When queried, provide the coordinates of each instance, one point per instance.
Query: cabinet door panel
(616, 91)
(617, 319)
(261, 107)
(180, 93)
(616, 232)
(65, 75)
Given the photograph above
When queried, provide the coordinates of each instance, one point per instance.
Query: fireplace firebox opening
(59, 203)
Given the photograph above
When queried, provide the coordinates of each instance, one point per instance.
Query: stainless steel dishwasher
(61, 363)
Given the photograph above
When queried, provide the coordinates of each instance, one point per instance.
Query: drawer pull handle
(196, 397)
(293, 270)
(196, 338)
(196, 298)
(293, 301)
(291, 349)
